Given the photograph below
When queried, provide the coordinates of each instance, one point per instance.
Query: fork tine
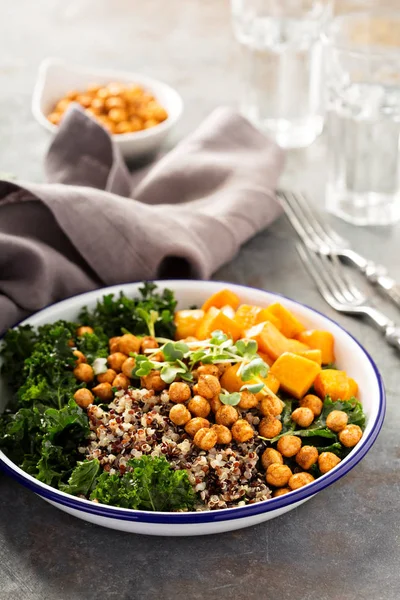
(341, 280)
(350, 286)
(314, 268)
(322, 227)
(291, 215)
(300, 224)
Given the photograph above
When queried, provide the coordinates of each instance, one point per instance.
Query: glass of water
(363, 82)
(282, 88)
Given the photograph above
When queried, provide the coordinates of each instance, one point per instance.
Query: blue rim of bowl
(226, 514)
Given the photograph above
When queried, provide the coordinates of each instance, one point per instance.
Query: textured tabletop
(342, 544)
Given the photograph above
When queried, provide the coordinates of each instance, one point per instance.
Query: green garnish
(230, 399)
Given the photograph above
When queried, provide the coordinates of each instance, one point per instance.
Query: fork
(321, 238)
(343, 295)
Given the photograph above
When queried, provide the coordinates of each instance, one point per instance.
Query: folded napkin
(94, 224)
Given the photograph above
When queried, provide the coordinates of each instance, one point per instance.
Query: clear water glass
(282, 88)
(363, 121)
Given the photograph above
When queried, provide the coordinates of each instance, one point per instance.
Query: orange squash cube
(186, 322)
(205, 327)
(320, 340)
(232, 382)
(220, 299)
(225, 324)
(333, 383)
(271, 341)
(228, 311)
(246, 315)
(315, 355)
(295, 373)
(266, 358)
(266, 315)
(290, 325)
(353, 389)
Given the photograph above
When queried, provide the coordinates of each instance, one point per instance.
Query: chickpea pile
(198, 410)
(118, 107)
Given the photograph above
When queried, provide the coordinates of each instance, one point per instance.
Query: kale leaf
(82, 479)
(112, 314)
(152, 484)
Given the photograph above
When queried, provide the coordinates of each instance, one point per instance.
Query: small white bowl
(350, 355)
(56, 78)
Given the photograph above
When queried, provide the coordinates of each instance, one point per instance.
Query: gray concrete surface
(342, 544)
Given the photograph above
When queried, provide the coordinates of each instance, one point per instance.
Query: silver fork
(321, 238)
(343, 295)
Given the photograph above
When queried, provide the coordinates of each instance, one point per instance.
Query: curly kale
(118, 314)
(152, 484)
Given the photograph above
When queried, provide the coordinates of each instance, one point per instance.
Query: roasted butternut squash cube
(246, 315)
(228, 311)
(272, 342)
(353, 389)
(266, 315)
(266, 358)
(320, 340)
(295, 373)
(315, 355)
(232, 382)
(220, 299)
(186, 322)
(290, 325)
(227, 325)
(333, 383)
(204, 328)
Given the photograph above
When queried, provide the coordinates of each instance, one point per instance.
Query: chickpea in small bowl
(138, 111)
(120, 108)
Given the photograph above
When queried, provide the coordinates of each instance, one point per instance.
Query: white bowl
(350, 356)
(56, 78)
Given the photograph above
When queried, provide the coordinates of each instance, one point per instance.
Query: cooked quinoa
(137, 423)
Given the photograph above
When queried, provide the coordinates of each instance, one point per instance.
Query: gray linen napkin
(92, 225)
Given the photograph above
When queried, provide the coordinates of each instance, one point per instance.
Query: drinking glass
(282, 91)
(363, 121)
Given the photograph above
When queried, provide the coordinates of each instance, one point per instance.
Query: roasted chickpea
(153, 381)
(208, 370)
(224, 436)
(121, 381)
(226, 415)
(83, 397)
(205, 438)
(179, 414)
(93, 88)
(289, 445)
(98, 105)
(306, 457)
(114, 344)
(208, 386)
(104, 392)
(180, 392)
(103, 93)
(269, 427)
(271, 405)
(129, 343)
(148, 124)
(107, 377)
(247, 400)
(337, 420)
(199, 406)
(117, 114)
(84, 372)
(303, 416)
(222, 367)
(281, 492)
(114, 102)
(271, 456)
(148, 343)
(55, 117)
(327, 461)
(82, 330)
(84, 100)
(127, 366)
(62, 105)
(299, 480)
(195, 424)
(136, 123)
(116, 360)
(278, 475)
(350, 435)
(80, 357)
(215, 403)
(313, 403)
(242, 431)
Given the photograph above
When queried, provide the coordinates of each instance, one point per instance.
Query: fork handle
(376, 274)
(384, 324)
